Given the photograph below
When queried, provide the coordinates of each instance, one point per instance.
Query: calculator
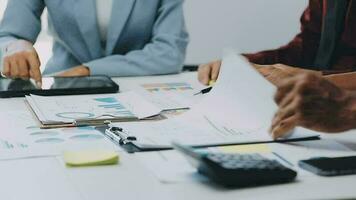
(238, 170)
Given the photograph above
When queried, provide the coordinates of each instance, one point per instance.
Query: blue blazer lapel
(119, 16)
(87, 22)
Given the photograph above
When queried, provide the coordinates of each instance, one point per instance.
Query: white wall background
(248, 25)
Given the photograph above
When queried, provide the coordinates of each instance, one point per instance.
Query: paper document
(239, 109)
(169, 167)
(169, 96)
(21, 138)
(67, 109)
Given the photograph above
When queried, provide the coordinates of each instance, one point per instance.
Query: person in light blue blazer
(95, 37)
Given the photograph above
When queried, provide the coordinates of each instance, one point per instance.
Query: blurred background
(247, 25)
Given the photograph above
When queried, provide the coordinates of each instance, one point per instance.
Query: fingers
(14, 70)
(286, 118)
(286, 87)
(292, 99)
(204, 74)
(23, 69)
(283, 91)
(209, 72)
(285, 95)
(6, 68)
(21, 61)
(23, 65)
(286, 112)
(285, 121)
(284, 127)
(215, 71)
(35, 71)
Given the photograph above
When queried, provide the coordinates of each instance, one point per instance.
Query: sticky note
(90, 158)
(250, 148)
(211, 82)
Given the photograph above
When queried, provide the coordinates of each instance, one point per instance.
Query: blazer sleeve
(301, 51)
(21, 20)
(164, 54)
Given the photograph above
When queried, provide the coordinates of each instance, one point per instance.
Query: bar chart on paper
(68, 109)
(169, 96)
(113, 106)
(167, 87)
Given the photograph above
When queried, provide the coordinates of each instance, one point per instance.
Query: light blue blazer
(145, 37)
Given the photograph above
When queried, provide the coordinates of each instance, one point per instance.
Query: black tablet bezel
(114, 88)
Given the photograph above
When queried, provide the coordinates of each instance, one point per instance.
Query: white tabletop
(48, 178)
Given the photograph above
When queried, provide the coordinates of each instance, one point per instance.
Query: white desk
(47, 178)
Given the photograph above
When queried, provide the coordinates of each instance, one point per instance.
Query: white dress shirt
(103, 10)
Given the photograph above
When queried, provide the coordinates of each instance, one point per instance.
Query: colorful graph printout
(167, 87)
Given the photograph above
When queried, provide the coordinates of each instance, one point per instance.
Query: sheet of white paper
(241, 97)
(21, 138)
(169, 167)
(138, 105)
(67, 109)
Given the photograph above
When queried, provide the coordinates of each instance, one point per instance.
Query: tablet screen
(57, 84)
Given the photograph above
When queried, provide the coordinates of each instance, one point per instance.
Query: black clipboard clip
(123, 139)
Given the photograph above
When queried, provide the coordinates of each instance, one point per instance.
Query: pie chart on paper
(75, 115)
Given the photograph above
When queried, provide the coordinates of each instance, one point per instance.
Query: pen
(204, 91)
(207, 90)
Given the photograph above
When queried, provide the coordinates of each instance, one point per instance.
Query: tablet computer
(58, 86)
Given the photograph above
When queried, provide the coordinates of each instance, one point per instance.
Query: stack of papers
(238, 110)
(68, 110)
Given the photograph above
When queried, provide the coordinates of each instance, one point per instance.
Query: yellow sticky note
(211, 82)
(90, 158)
(250, 148)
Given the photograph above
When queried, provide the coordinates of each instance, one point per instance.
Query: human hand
(277, 73)
(312, 102)
(21, 61)
(209, 72)
(75, 71)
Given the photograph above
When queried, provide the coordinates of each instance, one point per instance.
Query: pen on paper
(204, 91)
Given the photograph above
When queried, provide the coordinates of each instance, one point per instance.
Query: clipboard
(127, 142)
(96, 110)
(87, 122)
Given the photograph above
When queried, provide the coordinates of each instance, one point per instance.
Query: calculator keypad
(245, 162)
